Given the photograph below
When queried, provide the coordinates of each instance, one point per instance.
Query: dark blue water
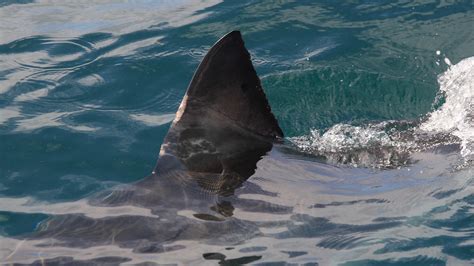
(382, 90)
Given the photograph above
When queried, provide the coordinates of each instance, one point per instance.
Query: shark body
(199, 195)
(223, 127)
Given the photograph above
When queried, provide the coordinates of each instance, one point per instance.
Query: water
(375, 99)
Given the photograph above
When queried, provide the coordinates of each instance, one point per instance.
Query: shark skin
(223, 127)
(224, 123)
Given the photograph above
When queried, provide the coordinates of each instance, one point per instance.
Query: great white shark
(222, 128)
(199, 189)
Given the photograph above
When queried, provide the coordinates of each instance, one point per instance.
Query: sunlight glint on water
(378, 168)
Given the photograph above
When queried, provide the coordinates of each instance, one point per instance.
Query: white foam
(372, 145)
(456, 115)
(382, 145)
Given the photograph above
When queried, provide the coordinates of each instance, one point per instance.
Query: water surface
(375, 99)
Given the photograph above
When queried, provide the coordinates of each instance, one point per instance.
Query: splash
(383, 145)
(354, 145)
(456, 115)
(389, 144)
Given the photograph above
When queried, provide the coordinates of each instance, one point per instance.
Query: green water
(88, 90)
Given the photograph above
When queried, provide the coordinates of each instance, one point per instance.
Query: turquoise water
(88, 91)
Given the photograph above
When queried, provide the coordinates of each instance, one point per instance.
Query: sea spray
(389, 144)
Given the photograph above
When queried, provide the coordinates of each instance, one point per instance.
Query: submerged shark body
(223, 127)
(198, 202)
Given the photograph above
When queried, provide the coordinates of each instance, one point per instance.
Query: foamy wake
(390, 143)
(456, 115)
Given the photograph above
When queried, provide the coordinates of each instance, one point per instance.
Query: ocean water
(376, 100)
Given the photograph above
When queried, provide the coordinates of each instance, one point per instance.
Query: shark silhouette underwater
(222, 129)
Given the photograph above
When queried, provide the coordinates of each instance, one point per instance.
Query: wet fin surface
(227, 83)
(224, 124)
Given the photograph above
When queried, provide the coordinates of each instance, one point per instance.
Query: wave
(389, 144)
(456, 115)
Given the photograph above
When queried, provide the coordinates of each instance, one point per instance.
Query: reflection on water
(87, 91)
(75, 19)
(337, 214)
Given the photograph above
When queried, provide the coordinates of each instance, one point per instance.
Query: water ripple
(53, 53)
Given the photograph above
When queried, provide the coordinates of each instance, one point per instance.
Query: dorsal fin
(224, 124)
(227, 83)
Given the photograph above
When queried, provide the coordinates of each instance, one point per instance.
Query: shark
(223, 127)
(199, 193)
